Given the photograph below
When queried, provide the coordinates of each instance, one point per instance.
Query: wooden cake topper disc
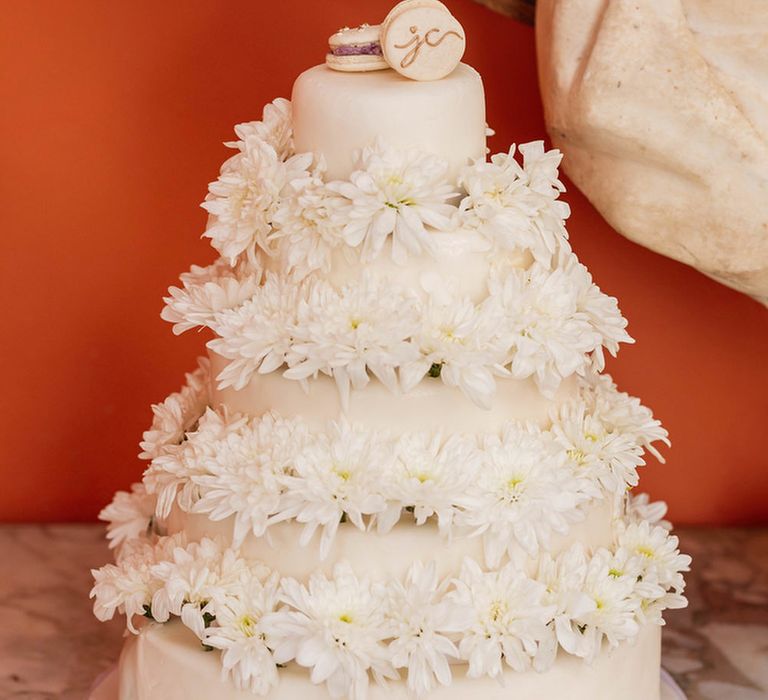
(422, 40)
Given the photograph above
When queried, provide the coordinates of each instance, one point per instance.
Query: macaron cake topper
(420, 39)
(356, 49)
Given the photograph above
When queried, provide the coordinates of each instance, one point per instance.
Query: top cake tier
(335, 114)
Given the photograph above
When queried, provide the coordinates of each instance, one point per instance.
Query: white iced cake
(399, 472)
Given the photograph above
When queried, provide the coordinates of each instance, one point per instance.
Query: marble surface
(52, 647)
(717, 648)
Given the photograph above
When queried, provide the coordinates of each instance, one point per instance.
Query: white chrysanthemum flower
(257, 335)
(130, 515)
(551, 321)
(429, 476)
(194, 579)
(421, 618)
(640, 508)
(309, 224)
(661, 558)
(239, 633)
(614, 615)
(126, 587)
(457, 341)
(623, 413)
(350, 331)
(517, 206)
(542, 169)
(187, 580)
(275, 128)
(169, 476)
(336, 475)
(564, 576)
(335, 627)
(509, 618)
(610, 457)
(656, 597)
(396, 193)
(626, 562)
(549, 336)
(523, 492)
(283, 439)
(604, 316)
(162, 547)
(177, 414)
(243, 200)
(205, 292)
(243, 479)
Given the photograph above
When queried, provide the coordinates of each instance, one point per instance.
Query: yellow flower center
(343, 473)
(448, 333)
(498, 609)
(247, 624)
(577, 456)
(513, 489)
(646, 551)
(495, 193)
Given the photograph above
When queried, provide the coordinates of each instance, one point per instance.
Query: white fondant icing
(431, 405)
(335, 114)
(166, 661)
(462, 261)
(380, 556)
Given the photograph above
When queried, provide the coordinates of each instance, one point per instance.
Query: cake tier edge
(166, 661)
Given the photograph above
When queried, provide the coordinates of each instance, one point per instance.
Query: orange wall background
(112, 119)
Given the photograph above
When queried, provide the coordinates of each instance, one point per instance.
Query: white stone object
(661, 109)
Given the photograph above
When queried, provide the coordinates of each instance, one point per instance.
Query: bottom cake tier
(166, 662)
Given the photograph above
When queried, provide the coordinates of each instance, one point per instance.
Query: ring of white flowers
(517, 486)
(267, 199)
(546, 324)
(548, 321)
(347, 628)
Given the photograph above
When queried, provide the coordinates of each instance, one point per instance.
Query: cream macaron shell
(355, 64)
(341, 59)
(422, 40)
(355, 36)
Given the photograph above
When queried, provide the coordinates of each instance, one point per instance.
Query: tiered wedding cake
(399, 472)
